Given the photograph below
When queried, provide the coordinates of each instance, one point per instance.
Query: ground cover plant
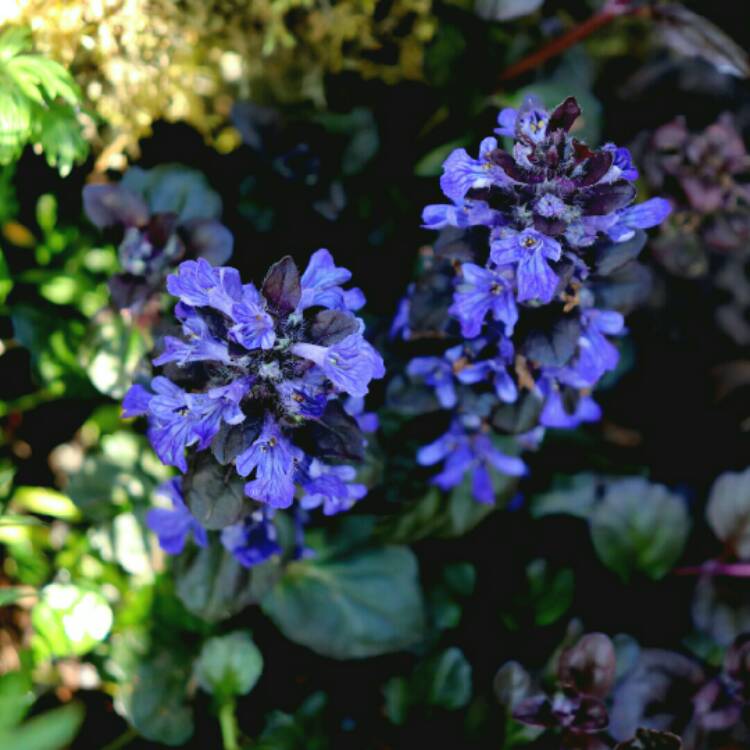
(374, 375)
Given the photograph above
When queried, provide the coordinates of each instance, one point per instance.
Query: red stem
(568, 39)
(715, 568)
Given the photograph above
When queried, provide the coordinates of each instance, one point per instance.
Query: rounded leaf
(639, 527)
(589, 666)
(728, 511)
(364, 603)
(229, 665)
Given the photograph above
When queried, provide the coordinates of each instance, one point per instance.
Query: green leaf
(38, 101)
(214, 586)
(229, 665)
(46, 502)
(215, 495)
(728, 511)
(54, 343)
(547, 597)
(574, 496)
(68, 621)
(551, 592)
(155, 700)
(304, 730)
(444, 516)
(13, 594)
(639, 527)
(53, 730)
(174, 188)
(16, 698)
(11, 519)
(431, 164)
(441, 681)
(114, 352)
(397, 700)
(362, 603)
(122, 474)
(124, 540)
(444, 680)
(6, 282)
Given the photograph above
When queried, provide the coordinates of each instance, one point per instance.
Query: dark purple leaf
(564, 115)
(110, 205)
(737, 664)
(657, 694)
(624, 289)
(128, 291)
(595, 167)
(160, 229)
(613, 255)
(556, 347)
(214, 493)
(337, 434)
(209, 239)
(589, 666)
(590, 715)
(508, 164)
(549, 225)
(281, 287)
(716, 709)
(649, 739)
(511, 684)
(518, 417)
(231, 440)
(410, 399)
(604, 199)
(331, 326)
(536, 712)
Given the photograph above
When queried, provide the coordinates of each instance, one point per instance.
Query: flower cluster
(706, 175)
(256, 377)
(520, 274)
(165, 215)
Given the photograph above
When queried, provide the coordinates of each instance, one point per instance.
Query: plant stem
(124, 739)
(228, 724)
(568, 39)
(714, 568)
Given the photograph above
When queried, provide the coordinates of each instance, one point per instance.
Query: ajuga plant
(705, 174)
(160, 217)
(524, 289)
(257, 377)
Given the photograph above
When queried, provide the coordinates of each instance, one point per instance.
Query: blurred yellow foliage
(141, 60)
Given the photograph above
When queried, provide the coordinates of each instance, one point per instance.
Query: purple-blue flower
(349, 364)
(321, 285)
(253, 540)
(461, 173)
(481, 291)
(439, 373)
(552, 208)
(555, 414)
(272, 459)
(255, 371)
(472, 453)
(173, 525)
(332, 487)
(254, 327)
(529, 251)
(496, 369)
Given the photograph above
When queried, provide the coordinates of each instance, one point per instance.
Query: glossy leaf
(728, 511)
(362, 603)
(229, 665)
(639, 527)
